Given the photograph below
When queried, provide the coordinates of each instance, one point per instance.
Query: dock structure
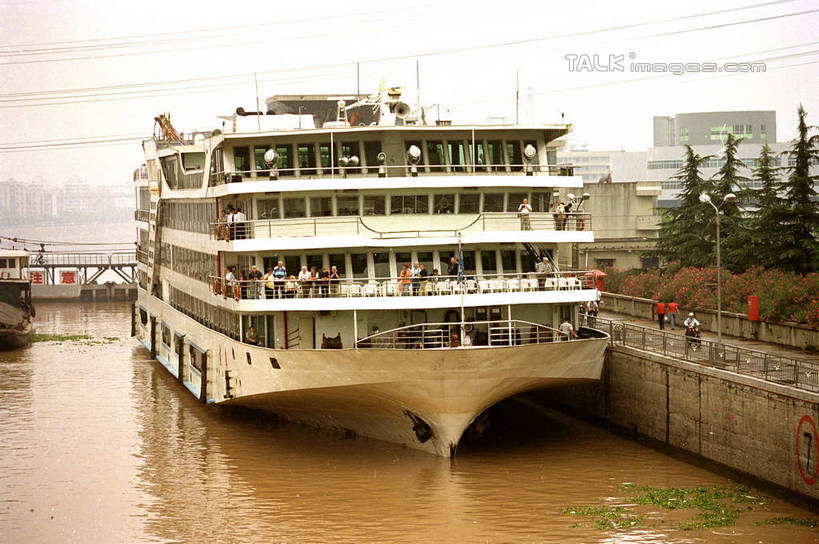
(77, 275)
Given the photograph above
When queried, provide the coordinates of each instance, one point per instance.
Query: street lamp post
(730, 197)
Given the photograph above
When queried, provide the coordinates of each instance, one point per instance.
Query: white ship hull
(424, 399)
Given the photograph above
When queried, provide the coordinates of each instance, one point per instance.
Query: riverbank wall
(763, 429)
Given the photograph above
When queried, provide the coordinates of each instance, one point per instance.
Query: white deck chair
(355, 290)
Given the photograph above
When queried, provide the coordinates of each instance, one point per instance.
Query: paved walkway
(733, 340)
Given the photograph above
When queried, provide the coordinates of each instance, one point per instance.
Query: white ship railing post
(355, 328)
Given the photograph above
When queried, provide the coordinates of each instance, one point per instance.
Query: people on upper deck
(406, 276)
(543, 269)
(291, 287)
(559, 216)
(452, 270)
(435, 276)
(335, 279)
(230, 231)
(523, 212)
(254, 289)
(279, 275)
(221, 226)
(229, 281)
(269, 284)
(423, 276)
(240, 223)
(415, 272)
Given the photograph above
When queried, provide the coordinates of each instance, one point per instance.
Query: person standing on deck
(279, 276)
(566, 330)
(416, 278)
(255, 283)
(672, 313)
(453, 267)
(523, 212)
(661, 314)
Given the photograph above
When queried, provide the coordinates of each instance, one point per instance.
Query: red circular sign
(812, 444)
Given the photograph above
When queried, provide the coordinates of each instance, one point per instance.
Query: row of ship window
(209, 315)
(199, 216)
(437, 155)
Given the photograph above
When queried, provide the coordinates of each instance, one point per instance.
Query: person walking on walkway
(661, 313)
(672, 313)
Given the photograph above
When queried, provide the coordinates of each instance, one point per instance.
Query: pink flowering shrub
(782, 296)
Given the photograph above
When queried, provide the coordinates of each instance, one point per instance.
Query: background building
(711, 128)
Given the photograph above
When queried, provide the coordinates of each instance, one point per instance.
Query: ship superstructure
(427, 268)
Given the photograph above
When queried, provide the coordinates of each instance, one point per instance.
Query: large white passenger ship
(364, 193)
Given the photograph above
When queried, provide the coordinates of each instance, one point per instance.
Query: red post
(753, 308)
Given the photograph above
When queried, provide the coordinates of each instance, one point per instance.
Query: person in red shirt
(672, 313)
(661, 313)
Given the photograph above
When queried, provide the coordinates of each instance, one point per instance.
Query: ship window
(285, 160)
(435, 156)
(166, 335)
(469, 262)
(456, 156)
(371, 151)
(193, 161)
(409, 204)
(292, 263)
(170, 167)
(469, 203)
(425, 258)
(515, 200)
(3, 264)
(269, 208)
(307, 159)
(359, 263)
(324, 154)
(258, 158)
(315, 260)
(241, 159)
(294, 207)
(508, 261)
(477, 157)
(381, 263)
(493, 202)
(515, 157)
(348, 205)
(196, 359)
(495, 153)
(445, 256)
(540, 202)
(489, 261)
(444, 203)
(337, 260)
(321, 206)
(375, 205)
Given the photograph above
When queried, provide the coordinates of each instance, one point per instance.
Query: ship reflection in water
(101, 445)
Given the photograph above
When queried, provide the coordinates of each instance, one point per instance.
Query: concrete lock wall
(760, 428)
(787, 334)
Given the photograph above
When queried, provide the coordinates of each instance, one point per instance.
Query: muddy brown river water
(100, 444)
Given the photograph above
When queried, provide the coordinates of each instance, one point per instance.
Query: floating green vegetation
(37, 337)
(718, 506)
(606, 517)
(788, 520)
(83, 339)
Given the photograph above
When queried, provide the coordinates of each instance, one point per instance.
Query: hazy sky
(73, 71)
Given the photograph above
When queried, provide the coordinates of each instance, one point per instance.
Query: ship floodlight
(353, 161)
(730, 197)
(414, 154)
(382, 169)
(704, 197)
(381, 157)
(571, 196)
(529, 152)
(586, 196)
(270, 157)
(343, 162)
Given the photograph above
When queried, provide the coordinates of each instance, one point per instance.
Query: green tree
(682, 235)
(799, 250)
(766, 220)
(737, 254)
